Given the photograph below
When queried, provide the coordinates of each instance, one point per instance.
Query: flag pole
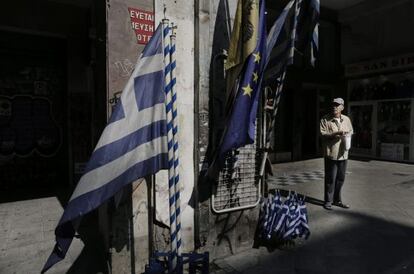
(175, 138)
(269, 132)
(171, 176)
(279, 88)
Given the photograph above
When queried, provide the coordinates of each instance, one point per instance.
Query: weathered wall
(230, 233)
(181, 13)
(123, 52)
(128, 232)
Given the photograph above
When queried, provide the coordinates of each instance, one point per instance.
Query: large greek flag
(133, 145)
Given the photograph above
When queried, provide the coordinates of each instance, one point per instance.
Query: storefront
(52, 95)
(381, 106)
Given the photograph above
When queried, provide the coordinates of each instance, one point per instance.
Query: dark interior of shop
(52, 78)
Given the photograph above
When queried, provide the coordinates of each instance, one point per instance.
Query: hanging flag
(308, 29)
(241, 124)
(295, 29)
(243, 42)
(132, 145)
(281, 42)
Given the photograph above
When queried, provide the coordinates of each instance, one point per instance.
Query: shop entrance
(33, 115)
(52, 95)
(317, 100)
(381, 109)
(362, 117)
(382, 129)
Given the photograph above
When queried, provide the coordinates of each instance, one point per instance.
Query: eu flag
(241, 124)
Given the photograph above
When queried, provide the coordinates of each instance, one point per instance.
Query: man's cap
(338, 101)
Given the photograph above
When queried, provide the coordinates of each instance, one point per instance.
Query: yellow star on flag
(247, 90)
(256, 57)
(255, 76)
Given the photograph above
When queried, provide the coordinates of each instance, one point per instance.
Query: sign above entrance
(381, 65)
(143, 24)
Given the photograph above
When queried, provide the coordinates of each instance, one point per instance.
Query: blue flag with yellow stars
(241, 124)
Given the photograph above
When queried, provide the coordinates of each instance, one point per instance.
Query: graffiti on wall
(124, 67)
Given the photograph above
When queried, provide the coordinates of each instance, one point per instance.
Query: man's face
(337, 108)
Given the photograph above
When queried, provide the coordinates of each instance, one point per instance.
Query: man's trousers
(334, 180)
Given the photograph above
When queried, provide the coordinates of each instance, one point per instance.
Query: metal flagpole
(279, 88)
(171, 177)
(269, 132)
(175, 139)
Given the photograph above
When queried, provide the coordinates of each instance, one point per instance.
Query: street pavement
(27, 238)
(376, 235)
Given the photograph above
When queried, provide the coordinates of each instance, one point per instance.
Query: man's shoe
(327, 206)
(340, 204)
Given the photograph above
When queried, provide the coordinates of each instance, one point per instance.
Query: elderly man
(335, 128)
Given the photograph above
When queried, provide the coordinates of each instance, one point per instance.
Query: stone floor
(376, 235)
(27, 236)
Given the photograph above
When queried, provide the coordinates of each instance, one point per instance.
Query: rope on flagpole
(175, 139)
(171, 177)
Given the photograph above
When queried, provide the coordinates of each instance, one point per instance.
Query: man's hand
(340, 133)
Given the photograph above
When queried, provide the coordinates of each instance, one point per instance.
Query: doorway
(33, 115)
(316, 103)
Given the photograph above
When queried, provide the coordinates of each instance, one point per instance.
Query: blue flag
(296, 29)
(241, 124)
(132, 145)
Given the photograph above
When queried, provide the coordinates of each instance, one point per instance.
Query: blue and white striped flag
(296, 29)
(308, 29)
(133, 145)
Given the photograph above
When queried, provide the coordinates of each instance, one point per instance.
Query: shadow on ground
(308, 199)
(353, 243)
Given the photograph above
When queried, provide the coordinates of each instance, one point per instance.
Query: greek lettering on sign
(142, 23)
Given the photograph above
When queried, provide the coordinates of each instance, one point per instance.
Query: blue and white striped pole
(269, 131)
(315, 34)
(281, 80)
(175, 138)
(298, 4)
(171, 177)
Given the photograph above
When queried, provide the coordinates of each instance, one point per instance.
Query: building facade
(64, 63)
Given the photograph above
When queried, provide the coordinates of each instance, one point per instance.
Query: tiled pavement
(375, 236)
(296, 178)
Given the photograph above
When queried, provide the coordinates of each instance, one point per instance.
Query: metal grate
(238, 184)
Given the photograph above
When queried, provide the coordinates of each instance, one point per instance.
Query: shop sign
(142, 23)
(380, 65)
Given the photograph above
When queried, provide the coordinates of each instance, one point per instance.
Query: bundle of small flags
(284, 220)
